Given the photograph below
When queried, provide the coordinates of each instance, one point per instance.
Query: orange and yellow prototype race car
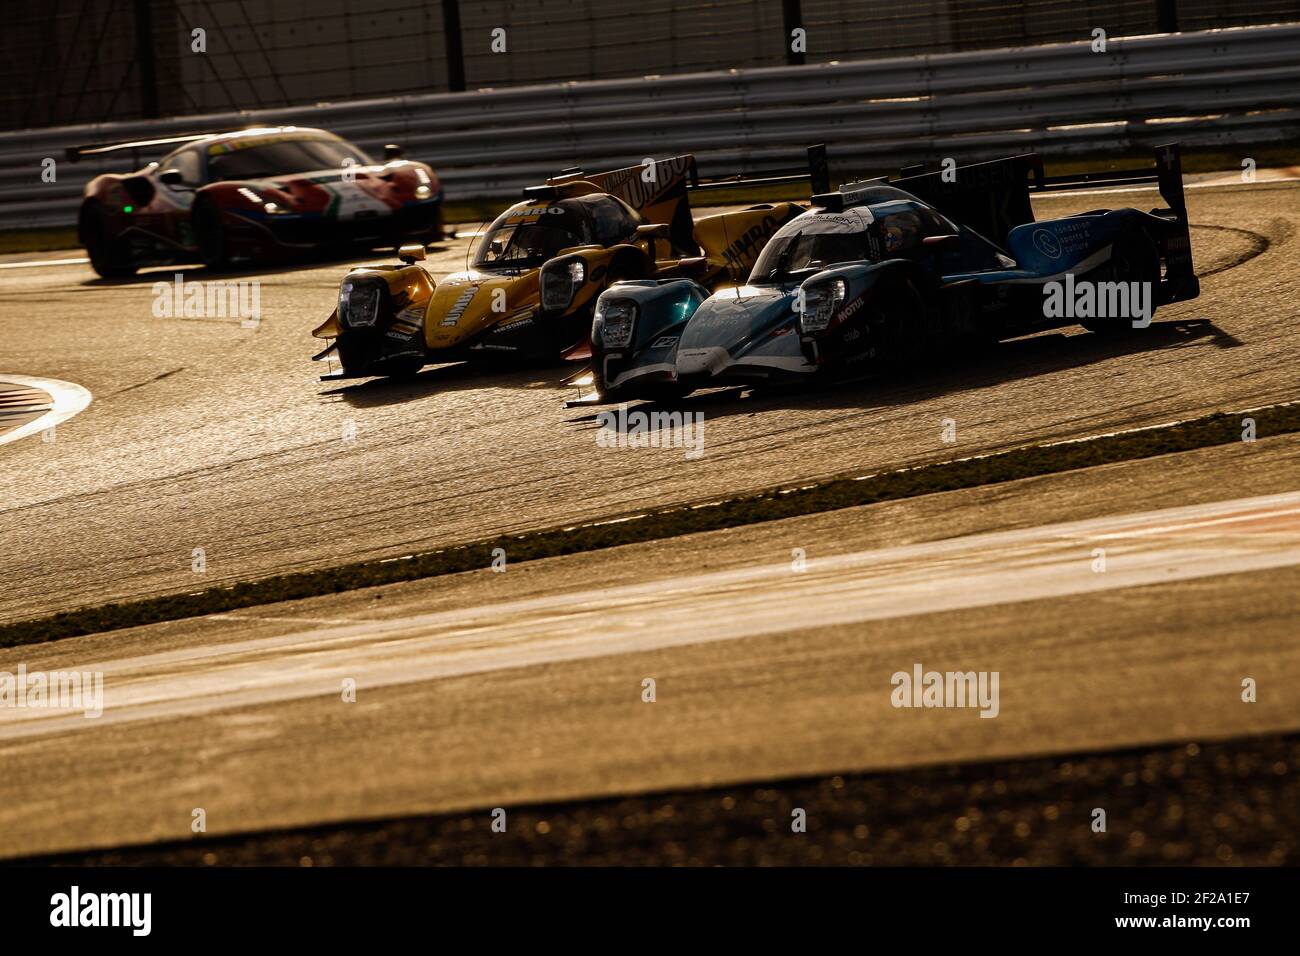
(532, 285)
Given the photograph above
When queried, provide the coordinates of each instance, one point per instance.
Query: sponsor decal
(740, 254)
(630, 186)
(515, 322)
(458, 308)
(1067, 239)
(530, 213)
(1046, 243)
(851, 309)
(664, 342)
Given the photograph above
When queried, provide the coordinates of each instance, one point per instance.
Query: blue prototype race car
(883, 273)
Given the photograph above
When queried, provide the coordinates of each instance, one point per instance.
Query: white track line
(38, 263)
(69, 398)
(1051, 561)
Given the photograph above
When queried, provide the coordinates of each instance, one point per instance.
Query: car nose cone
(704, 361)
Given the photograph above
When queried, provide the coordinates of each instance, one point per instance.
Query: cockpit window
(612, 220)
(814, 241)
(525, 236)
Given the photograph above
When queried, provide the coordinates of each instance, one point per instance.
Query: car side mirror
(652, 232)
(693, 267)
(171, 177)
(393, 151)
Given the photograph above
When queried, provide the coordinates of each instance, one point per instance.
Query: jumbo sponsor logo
(459, 306)
(631, 185)
(1083, 299)
(181, 299)
(740, 255)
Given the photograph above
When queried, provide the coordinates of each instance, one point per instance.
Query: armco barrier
(1219, 87)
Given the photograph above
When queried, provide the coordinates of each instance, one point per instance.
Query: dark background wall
(85, 61)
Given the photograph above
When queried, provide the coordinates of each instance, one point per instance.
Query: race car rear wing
(75, 154)
(994, 197)
(817, 172)
(661, 192)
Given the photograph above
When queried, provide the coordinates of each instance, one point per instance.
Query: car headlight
(359, 303)
(615, 320)
(423, 191)
(820, 302)
(559, 284)
(274, 209)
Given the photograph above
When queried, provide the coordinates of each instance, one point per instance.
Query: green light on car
(128, 209)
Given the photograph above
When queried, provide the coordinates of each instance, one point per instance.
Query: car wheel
(1133, 258)
(210, 235)
(109, 257)
(897, 324)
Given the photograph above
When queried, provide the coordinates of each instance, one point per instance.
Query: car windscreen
(613, 221)
(814, 241)
(258, 160)
(526, 236)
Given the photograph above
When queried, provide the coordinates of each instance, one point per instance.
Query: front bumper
(293, 232)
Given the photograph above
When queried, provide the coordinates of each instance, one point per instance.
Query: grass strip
(1238, 802)
(1222, 428)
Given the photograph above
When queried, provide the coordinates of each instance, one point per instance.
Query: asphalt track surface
(207, 434)
(490, 689)
(485, 689)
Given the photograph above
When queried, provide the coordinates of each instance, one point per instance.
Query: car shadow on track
(1016, 359)
(199, 273)
(438, 379)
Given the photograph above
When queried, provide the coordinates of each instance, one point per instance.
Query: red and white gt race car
(254, 196)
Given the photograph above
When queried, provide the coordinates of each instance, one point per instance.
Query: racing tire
(1133, 258)
(210, 235)
(897, 322)
(107, 257)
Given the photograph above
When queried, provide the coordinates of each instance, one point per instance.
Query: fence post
(145, 64)
(1167, 16)
(454, 45)
(793, 15)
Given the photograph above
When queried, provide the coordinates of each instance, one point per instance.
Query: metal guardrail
(1214, 87)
